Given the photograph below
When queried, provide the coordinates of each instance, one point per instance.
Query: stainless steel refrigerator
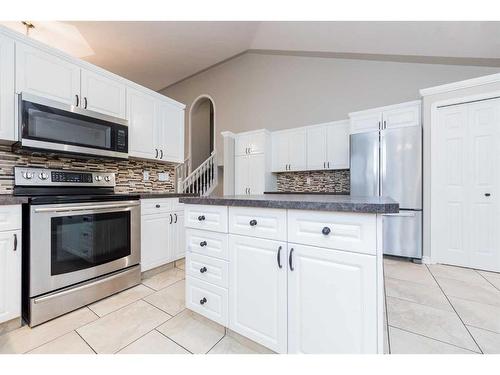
(388, 162)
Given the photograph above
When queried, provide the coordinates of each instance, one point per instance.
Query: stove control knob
(43, 176)
(98, 178)
(28, 175)
(107, 178)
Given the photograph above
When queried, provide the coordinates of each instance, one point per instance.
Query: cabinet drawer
(213, 218)
(343, 231)
(207, 299)
(207, 243)
(258, 222)
(10, 217)
(212, 270)
(156, 206)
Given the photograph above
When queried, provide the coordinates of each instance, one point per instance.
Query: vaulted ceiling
(158, 54)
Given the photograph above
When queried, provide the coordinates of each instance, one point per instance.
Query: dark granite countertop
(307, 192)
(7, 199)
(147, 195)
(317, 202)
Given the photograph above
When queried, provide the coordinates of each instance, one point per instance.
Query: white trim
(460, 85)
(227, 134)
(386, 107)
(199, 97)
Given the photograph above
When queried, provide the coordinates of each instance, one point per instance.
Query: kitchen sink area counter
(296, 273)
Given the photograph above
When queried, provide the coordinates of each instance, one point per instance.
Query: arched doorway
(201, 130)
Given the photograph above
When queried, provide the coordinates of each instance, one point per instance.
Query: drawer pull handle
(203, 301)
(290, 259)
(201, 217)
(203, 243)
(279, 257)
(158, 206)
(326, 231)
(203, 269)
(253, 222)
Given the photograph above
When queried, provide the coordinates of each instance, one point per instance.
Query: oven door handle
(127, 204)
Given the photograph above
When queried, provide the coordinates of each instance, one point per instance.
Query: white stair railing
(203, 180)
(182, 172)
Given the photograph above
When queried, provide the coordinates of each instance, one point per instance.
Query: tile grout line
(422, 304)
(456, 312)
(90, 346)
(489, 282)
(121, 307)
(433, 339)
(217, 341)
(171, 339)
(386, 310)
(484, 329)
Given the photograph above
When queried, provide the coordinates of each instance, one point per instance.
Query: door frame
(193, 104)
(428, 228)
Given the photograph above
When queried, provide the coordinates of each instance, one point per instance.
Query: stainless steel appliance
(81, 241)
(388, 162)
(50, 126)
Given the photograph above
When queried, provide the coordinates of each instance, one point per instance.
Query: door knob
(253, 223)
(326, 231)
(203, 243)
(201, 217)
(203, 301)
(203, 269)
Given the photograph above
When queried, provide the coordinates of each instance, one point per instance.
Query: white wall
(256, 91)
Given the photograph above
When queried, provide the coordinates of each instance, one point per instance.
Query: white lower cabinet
(178, 238)
(257, 290)
(10, 263)
(207, 299)
(332, 301)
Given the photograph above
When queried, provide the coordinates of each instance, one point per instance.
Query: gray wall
(200, 126)
(256, 91)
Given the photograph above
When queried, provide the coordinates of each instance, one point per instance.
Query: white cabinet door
(338, 145)
(241, 175)
(141, 116)
(256, 174)
(156, 249)
(241, 145)
(7, 90)
(43, 74)
(408, 115)
(258, 290)
(103, 94)
(10, 275)
(316, 147)
(297, 150)
(332, 301)
(170, 130)
(252, 143)
(280, 151)
(365, 122)
(178, 235)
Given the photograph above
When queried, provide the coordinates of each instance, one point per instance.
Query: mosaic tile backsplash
(337, 181)
(129, 177)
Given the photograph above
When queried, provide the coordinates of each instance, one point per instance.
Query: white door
(41, 73)
(7, 92)
(316, 147)
(141, 116)
(256, 174)
(280, 151)
(156, 231)
(178, 236)
(103, 94)
(241, 175)
(297, 146)
(257, 290)
(465, 186)
(332, 301)
(337, 138)
(10, 275)
(171, 132)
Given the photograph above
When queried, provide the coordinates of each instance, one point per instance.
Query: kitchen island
(295, 273)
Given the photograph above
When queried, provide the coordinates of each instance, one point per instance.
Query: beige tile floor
(429, 309)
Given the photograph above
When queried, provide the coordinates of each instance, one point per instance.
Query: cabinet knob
(487, 194)
(203, 269)
(253, 222)
(203, 301)
(203, 243)
(158, 206)
(326, 231)
(201, 217)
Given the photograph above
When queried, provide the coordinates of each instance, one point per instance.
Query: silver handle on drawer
(15, 241)
(127, 204)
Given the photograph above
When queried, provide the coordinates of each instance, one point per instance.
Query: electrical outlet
(145, 175)
(308, 181)
(163, 176)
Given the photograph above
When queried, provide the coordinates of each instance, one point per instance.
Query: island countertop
(340, 203)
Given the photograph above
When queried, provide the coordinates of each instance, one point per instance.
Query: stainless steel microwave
(54, 127)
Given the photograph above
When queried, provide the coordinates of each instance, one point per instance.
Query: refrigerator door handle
(403, 214)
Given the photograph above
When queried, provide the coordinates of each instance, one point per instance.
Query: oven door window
(84, 241)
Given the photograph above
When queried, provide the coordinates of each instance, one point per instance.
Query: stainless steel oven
(81, 241)
(47, 125)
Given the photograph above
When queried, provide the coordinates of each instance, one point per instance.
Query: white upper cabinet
(170, 129)
(328, 146)
(102, 94)
(253, 142)
(289, 150)
(7, 106)
(393, 116)
(43, 74)
(141, 122)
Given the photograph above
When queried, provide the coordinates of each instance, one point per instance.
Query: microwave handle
(127, 204)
